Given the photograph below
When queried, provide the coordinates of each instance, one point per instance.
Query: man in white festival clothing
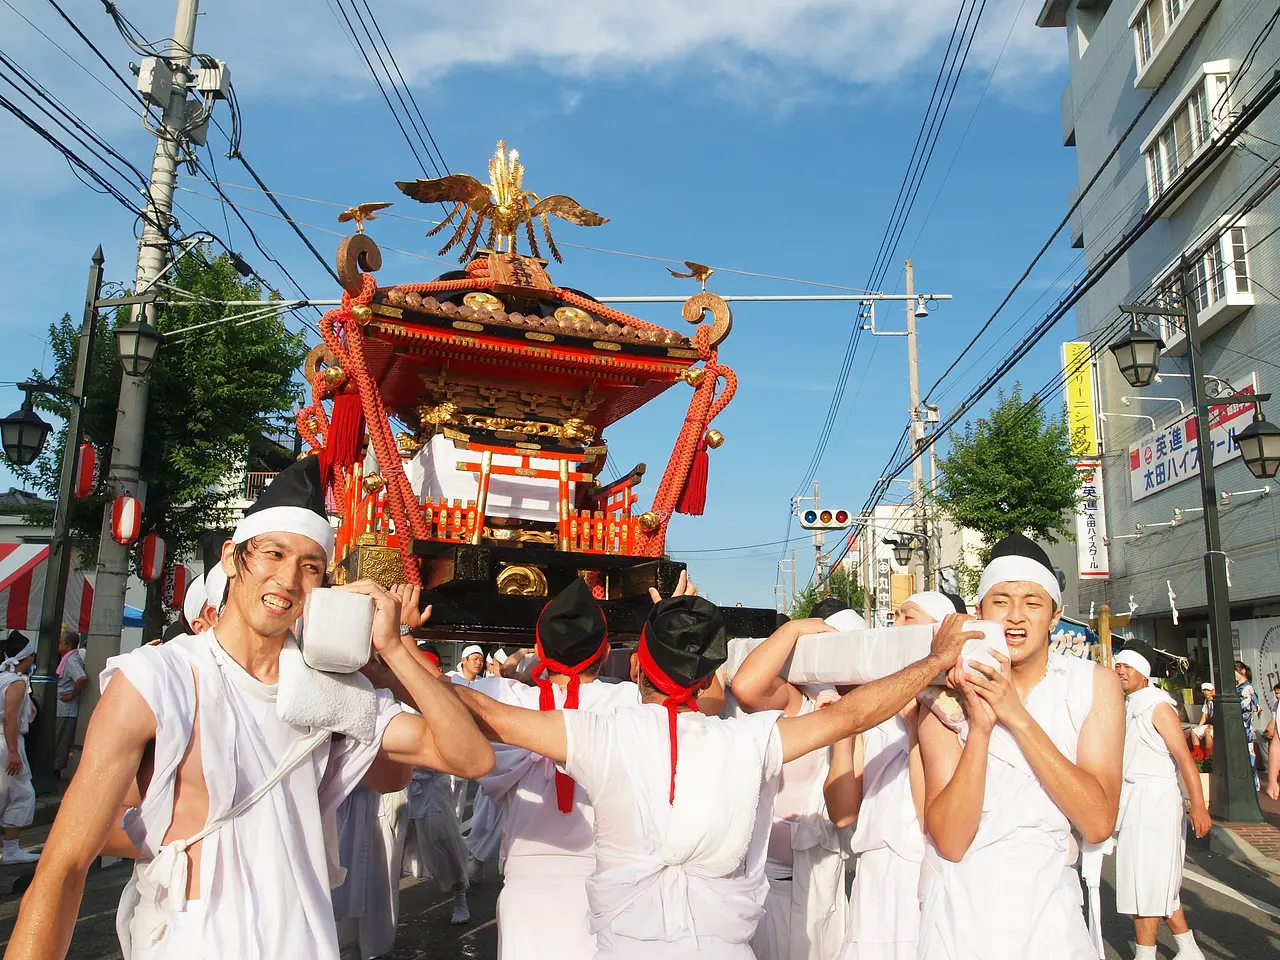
(194, 724)
(683, 802)
(1040, 753)
(1152, 825)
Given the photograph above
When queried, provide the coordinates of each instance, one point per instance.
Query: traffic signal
(824, 519)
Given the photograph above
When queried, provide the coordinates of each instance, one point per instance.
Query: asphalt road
(1215, 895)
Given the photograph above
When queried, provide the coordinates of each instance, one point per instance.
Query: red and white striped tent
(23, 571)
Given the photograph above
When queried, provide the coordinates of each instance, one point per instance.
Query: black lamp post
(904, 547)
(1232, 795)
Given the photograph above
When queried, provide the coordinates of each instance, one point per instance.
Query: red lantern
(153, 554)
(126, 519)
(86, 470)
(175, 586)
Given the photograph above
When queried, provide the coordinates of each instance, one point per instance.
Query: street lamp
(1232, 795)
(1259, 445)
(137, 343)
(1138, 354)
(23, 433)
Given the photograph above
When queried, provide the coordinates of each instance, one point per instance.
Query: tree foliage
(842, 585)
(1010, 473)
(215, 395)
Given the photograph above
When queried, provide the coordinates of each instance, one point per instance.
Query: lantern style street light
(23, 433)
(138, 343)
(1138, 355)
(1259, 445)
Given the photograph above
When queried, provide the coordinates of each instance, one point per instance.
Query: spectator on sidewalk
(1201, 735)
(71, 682)
(1249, 712)
(1265, 740)
(17, 796)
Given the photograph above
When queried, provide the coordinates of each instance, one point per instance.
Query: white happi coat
(806, 910)
(1151, 828)
(264, 876)
(371, 838)
(884, 912)
(17, 795)
(1015, 894)
(434, 847)
(546, 855)
(682, 880)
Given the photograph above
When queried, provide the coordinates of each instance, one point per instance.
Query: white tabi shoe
(15, 854)
(461, 913)
(475, 871)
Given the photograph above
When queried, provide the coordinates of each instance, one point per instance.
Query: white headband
(297, 520)
(11, 663)
(215, 588)
(934, 603)
(846, 621)
(194, 602)
(468, 651)
(1132, 658)
(499, 656)
(1013, 569)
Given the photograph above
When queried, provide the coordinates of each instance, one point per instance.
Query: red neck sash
(547, 701)
(676, 696)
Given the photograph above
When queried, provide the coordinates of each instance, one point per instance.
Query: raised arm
(444, 737)
(843, 788)
(1087, 791)
(873, 703)
(759, 685)
(121, 727)
(1167, 724)
(537, 731)
(955, 777)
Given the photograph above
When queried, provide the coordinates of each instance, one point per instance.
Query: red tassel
(693, 499)
(346, 428)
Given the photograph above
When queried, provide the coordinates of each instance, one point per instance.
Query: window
(1161, 29)
(1195, 120)
(1219, 286)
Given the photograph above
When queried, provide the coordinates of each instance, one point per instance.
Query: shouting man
(1040, 754)
(230, 836)
(1152, 825)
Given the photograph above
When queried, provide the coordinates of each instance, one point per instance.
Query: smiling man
(1040, 755)
(236, 802)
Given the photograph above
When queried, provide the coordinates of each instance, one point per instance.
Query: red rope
(547, 701)
(677, 696)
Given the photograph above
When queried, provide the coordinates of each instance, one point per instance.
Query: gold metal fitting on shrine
(648, 520)
(361, 313)
(522, 580)
(482, 301)
(571, 314)
(373, 483)
(715, 439)
(693, 376)
(334, 375)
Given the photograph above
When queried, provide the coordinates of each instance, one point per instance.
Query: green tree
(1009, 472)
(841, 585)
(217, 394)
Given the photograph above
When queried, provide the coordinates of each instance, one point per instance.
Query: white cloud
(764, 43)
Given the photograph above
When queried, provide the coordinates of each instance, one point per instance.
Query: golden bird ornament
(361, 214)
(502, 202)
(697, 271)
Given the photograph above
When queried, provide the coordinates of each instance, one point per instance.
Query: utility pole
(917, 433)
(793, 580)
(819, 541)
(126, 453)
(864, 554)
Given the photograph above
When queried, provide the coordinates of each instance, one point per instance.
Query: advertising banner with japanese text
(1167, 457)
(1091, 522)
(1077, 367)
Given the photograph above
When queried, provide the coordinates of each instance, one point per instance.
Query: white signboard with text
(1167, 457)
(1091, 522)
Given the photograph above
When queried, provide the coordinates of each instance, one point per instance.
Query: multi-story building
(1178, 72)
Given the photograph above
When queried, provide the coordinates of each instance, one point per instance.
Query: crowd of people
(688, 811)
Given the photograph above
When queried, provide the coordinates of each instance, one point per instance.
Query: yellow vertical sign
(1078, 368)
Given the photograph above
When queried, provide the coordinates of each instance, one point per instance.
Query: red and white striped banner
(23, 572)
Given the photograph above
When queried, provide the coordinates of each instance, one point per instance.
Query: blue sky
(762, 136)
